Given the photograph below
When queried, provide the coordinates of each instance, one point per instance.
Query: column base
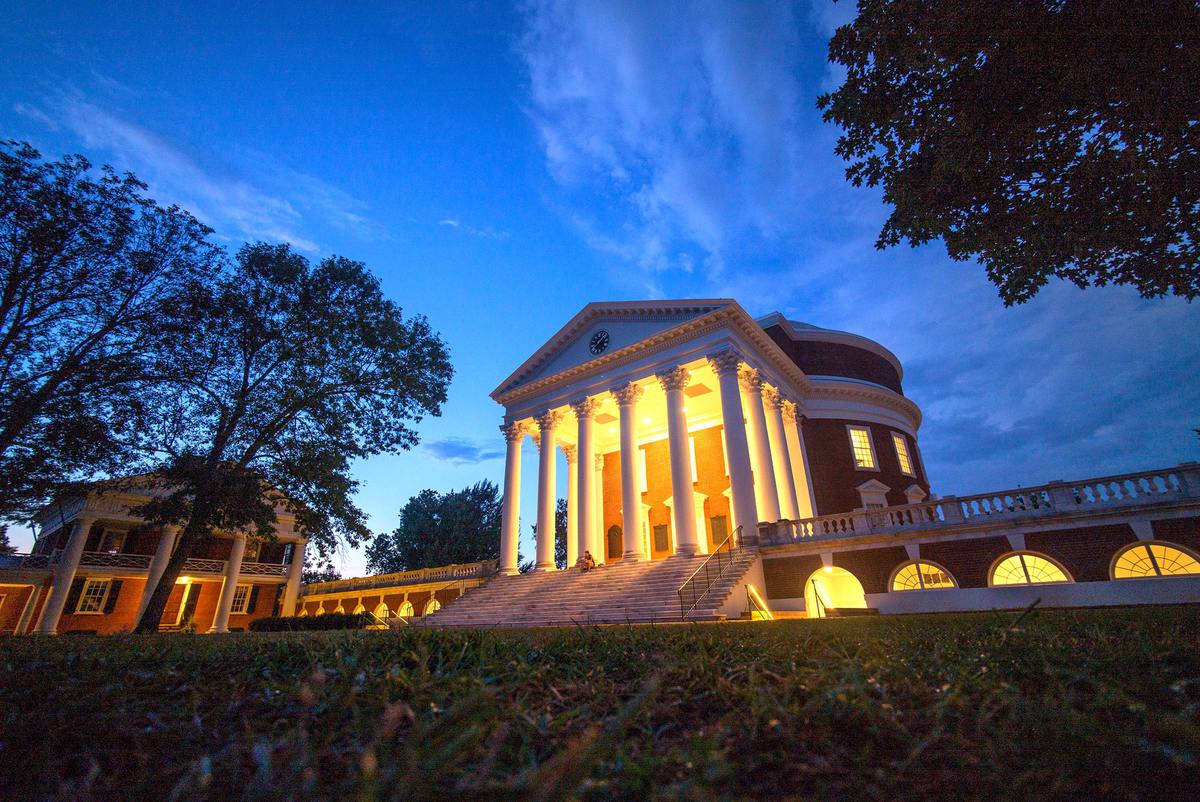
(686, 551)
(215, 631)
(537, 569)
(633, 556)
(509, 571)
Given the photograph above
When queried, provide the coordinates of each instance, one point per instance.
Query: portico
(683, 408)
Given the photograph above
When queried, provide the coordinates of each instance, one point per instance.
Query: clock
(599, 342)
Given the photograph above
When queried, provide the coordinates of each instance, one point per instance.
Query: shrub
(311, 624)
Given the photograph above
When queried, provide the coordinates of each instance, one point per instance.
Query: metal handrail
(755, 603)
(723, 556)
(821, 609)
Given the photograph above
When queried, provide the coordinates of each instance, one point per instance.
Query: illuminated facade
(688, 427)
(95, 564)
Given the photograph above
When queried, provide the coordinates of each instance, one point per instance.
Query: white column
(785, 482)
(510, 528)
(585, 527)
(804, 492)
(631, 495)
(760, 450)
(233, 567)
(158, 564)
(573, 505)
(599, 536)
(725, 364)
(291, 591)
(547, 422)
(64, 574)
(682, 491)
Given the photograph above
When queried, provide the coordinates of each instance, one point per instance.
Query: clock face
(599, 342)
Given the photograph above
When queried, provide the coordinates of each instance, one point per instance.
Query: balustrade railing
(108, 559)
(1053, 498)
(264, 569)
(24, 561)
(445, 573)
(702, 580)
(200, 565)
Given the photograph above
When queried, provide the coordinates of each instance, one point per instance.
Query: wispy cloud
(685, 144)
(459, 451)
(276, 203)
(487, 232)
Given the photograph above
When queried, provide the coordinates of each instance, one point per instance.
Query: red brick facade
(122, 607)
(1085, 553)
(833, 471)
(837, 359)
(872, 567)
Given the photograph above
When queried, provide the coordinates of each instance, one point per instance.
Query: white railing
(1054, 498)
(445, 573)
(264, 569)
(106, 559)
(200, 565)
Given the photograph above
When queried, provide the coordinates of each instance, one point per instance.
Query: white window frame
(899, 440)
(856, 427)
(83, 595)
(235, 608)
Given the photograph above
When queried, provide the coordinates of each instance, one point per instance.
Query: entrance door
(191, 596)
(662, 539)
(616, 542)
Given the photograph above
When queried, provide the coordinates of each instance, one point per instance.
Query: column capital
(727, 360)
(584, 407)
(514, 431)
(599, 462)
(791, 411)
(773, 399)
(548, 419)
(627, 393)
(572, 453)
(675, 378)
(750, 379)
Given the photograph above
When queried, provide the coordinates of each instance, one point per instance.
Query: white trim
(857, 427)
(88, 582)
(233, 608)
(898, 440)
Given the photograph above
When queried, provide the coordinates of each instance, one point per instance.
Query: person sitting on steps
(586, 562)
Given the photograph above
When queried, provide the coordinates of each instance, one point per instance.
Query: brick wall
(835, 476)
(967, 560)
(785, 577)
(1086, 553)
(1184, 531)
(15, 599)
(872, 567)
(837, 359)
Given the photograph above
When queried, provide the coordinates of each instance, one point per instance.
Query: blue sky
(499, 167)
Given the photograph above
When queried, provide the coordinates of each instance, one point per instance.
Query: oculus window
(1144, 560)
(921, 575)
(1027, 568)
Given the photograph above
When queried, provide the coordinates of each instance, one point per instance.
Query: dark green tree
(90, 272)
(461, 526)
(560, 537)
(318, 569)
(5, 546)
(1043, 138)
(282, 374)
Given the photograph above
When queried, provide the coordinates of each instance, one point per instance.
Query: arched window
(922, 575)
(360, 608)
(382, 611)
(406, 610)
(432, 606)
(1027, 568)
(339, 609)
(1152, 560)
(302, 614)
(615, 544)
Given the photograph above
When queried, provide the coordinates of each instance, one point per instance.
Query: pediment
(625, 323)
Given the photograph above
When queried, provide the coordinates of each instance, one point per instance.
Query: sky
(500, 166)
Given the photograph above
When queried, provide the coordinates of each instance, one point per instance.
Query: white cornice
(648, 310)
(729, 314)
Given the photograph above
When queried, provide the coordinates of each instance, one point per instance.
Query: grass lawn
(1096, 704)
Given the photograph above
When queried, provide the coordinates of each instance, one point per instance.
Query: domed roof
(802, 331)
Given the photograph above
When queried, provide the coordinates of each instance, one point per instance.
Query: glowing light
(183, 580)
(646, 420)
(612, 429)
(829, 569)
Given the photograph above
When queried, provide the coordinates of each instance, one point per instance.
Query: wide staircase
(641, 592)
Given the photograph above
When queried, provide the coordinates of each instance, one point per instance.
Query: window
(902, 454)
(382, 611)
(1154, 559)
(432, 606)
(406, 610)
(860, 445)
(241, 597)
(1027, 568)
(921, 575)
(661, 540)
(91, 600)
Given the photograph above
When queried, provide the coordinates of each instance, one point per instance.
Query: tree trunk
(197, 527)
